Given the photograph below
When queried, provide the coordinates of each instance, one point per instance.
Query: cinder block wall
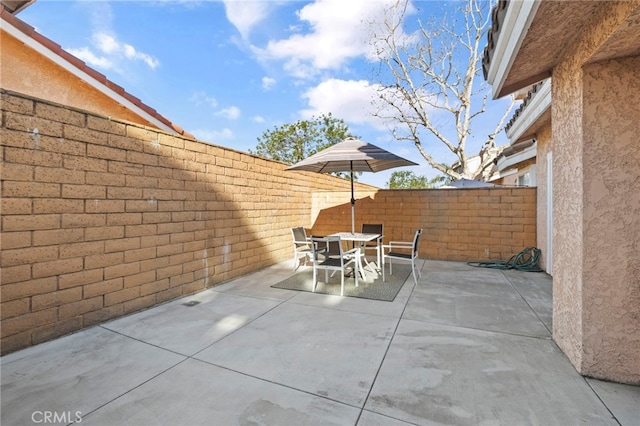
(101, 218)
(458, 224)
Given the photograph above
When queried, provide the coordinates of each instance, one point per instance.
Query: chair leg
(315, 277)
(355, 272)
(413, 270)
(342, 284)
(383, 277)
(359, 262)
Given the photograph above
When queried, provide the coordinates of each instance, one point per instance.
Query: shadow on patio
(463, 346)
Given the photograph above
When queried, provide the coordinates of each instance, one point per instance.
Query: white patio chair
(329, 255)
(408, 252)
(301, 246)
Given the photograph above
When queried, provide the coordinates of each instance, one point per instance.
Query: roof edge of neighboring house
(28, 35)
(501, 174)
(534, 105)
(17, 6)
(517, 153)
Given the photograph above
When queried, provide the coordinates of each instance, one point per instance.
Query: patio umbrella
(351, 155)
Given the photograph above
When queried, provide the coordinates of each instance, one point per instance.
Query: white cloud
(258, 119)
(268, 83)
(213, 136)
(201, 98)
(105, 43)
(231, 113)
(110, 46)
(351, 100)
(85, 54)
(340, 31)
(244, 15)
(359, 102)
(131, 53)
(106, 51)
(112, 53)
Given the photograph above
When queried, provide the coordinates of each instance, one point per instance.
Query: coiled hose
(526, 260)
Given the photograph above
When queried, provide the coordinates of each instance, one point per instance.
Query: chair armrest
(320, 251)
(399, 244)
(352, 251)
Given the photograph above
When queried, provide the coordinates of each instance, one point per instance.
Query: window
(527, 177)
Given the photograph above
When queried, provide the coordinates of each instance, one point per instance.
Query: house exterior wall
(611, 219)
(101, 217)
(512, 179)
(25, 71)
(595, 123)
(543, 138)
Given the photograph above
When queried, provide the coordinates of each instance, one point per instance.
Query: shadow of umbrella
(351, 155)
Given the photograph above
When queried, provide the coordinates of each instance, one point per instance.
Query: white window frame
(531, 172)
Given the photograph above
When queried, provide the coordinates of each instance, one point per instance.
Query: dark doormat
(370, 288)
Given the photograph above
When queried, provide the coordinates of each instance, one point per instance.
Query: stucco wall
(519, 168)
(611, 221)
(24, 71)
(568, 206)
(543, 147)
(595, 123)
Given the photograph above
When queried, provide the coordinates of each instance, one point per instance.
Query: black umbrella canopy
(351, 155)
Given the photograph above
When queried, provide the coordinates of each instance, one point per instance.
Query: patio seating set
(328, 253)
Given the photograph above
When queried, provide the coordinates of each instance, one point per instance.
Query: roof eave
(38, 43)
(539, 104)
(16, 6)
(519, 157)
(517, 19)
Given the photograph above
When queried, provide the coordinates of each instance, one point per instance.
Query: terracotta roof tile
(523, 105)
(497, 18)
(56, 49)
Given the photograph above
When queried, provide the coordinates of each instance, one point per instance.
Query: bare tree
(428, 87)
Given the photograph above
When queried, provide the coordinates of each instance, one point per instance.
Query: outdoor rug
(371, 288)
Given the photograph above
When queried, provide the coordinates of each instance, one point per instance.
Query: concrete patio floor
(465, 346)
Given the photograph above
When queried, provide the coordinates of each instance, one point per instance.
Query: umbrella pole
(353, 203)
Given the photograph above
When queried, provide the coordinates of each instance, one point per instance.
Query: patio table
(358, 237)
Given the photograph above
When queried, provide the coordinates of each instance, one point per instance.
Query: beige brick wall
(101, 218)
(458, 224)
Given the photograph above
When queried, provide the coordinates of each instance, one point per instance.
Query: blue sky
(226, 71)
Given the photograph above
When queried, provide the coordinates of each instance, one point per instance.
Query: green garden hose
(526, 260)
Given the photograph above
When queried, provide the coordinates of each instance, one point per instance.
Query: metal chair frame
(402, 256)
(338, 261)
